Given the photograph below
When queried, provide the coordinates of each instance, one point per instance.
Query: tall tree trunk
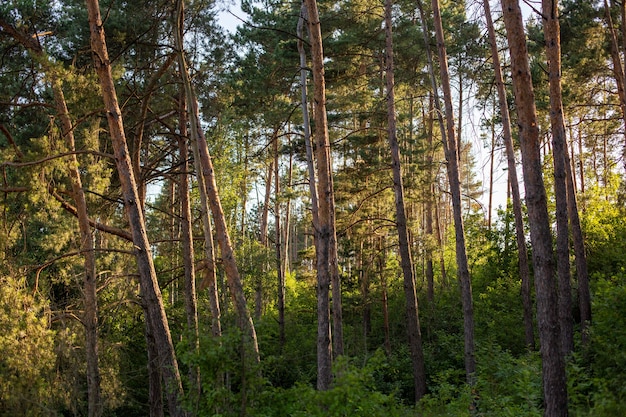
(191, 305)
(560, 159)
(263, 239)
(287, 223)
(155, 389)
(209, 279)
(553, 369)
(228, 258)
(90, 315)
(618, 67)
(327, 268)
(90, 299)
(522, 253)
(278, 246)
(412, 309)
(429, 205)
(452, 157)
(148, 280)
(381, 256)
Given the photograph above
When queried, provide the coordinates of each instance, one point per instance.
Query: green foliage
(596, 375)
(27, 363)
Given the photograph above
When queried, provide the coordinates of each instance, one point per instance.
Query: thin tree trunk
(560, 159)
(553, 369)
(429, 205)
(412, 309)
(90, 299)
(385, 301)
(522, 253)
(278, 246)
(258, 297)
(327, 268)
(228, 258)
(618, 67)
(90, 315)
(191, 305)
(452, 158)
(287, 223)
(150, 289)
(209, 279)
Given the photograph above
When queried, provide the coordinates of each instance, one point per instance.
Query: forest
(326, 208)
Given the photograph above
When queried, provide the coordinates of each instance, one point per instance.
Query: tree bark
(228, 258)
(327, 268)
(151, 292)
(522, 253)
(191, 304)
(618, 67)
(90, 298)
(258, 297)
(90, 315)
(278, 246)
(553, 369)
(452, 157)
(551, 32)
(412, 309)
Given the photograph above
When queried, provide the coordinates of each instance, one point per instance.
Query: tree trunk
(150, 289)
(560, 159)
(412, 309)
(258, 297)
(452, 159)
(522, 253)
(90, 315)
(618, 67)
(155, 390)
(90, 299)
(278, 246)
(553, 369)
(191, 305)
(429, 206)
(228, 258)
(327, 268)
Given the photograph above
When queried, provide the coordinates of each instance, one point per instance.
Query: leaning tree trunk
(522, 253)
(559, 151)
(209, 280)
(327, 268)
(553, 364)
(412, 310)
(452, 158)
(90, 315)
(151, 292)
(228, 257)
(191, 303)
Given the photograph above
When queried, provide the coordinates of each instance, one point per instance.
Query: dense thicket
(83, 329)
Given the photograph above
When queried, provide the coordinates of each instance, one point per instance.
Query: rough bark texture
(204, 169)
(326, 237)
(524, 270)
(553, 369)
(452, 158)
(559, 151)
(191, 303)
(412, 310)
(151, 292)
(90, 315)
